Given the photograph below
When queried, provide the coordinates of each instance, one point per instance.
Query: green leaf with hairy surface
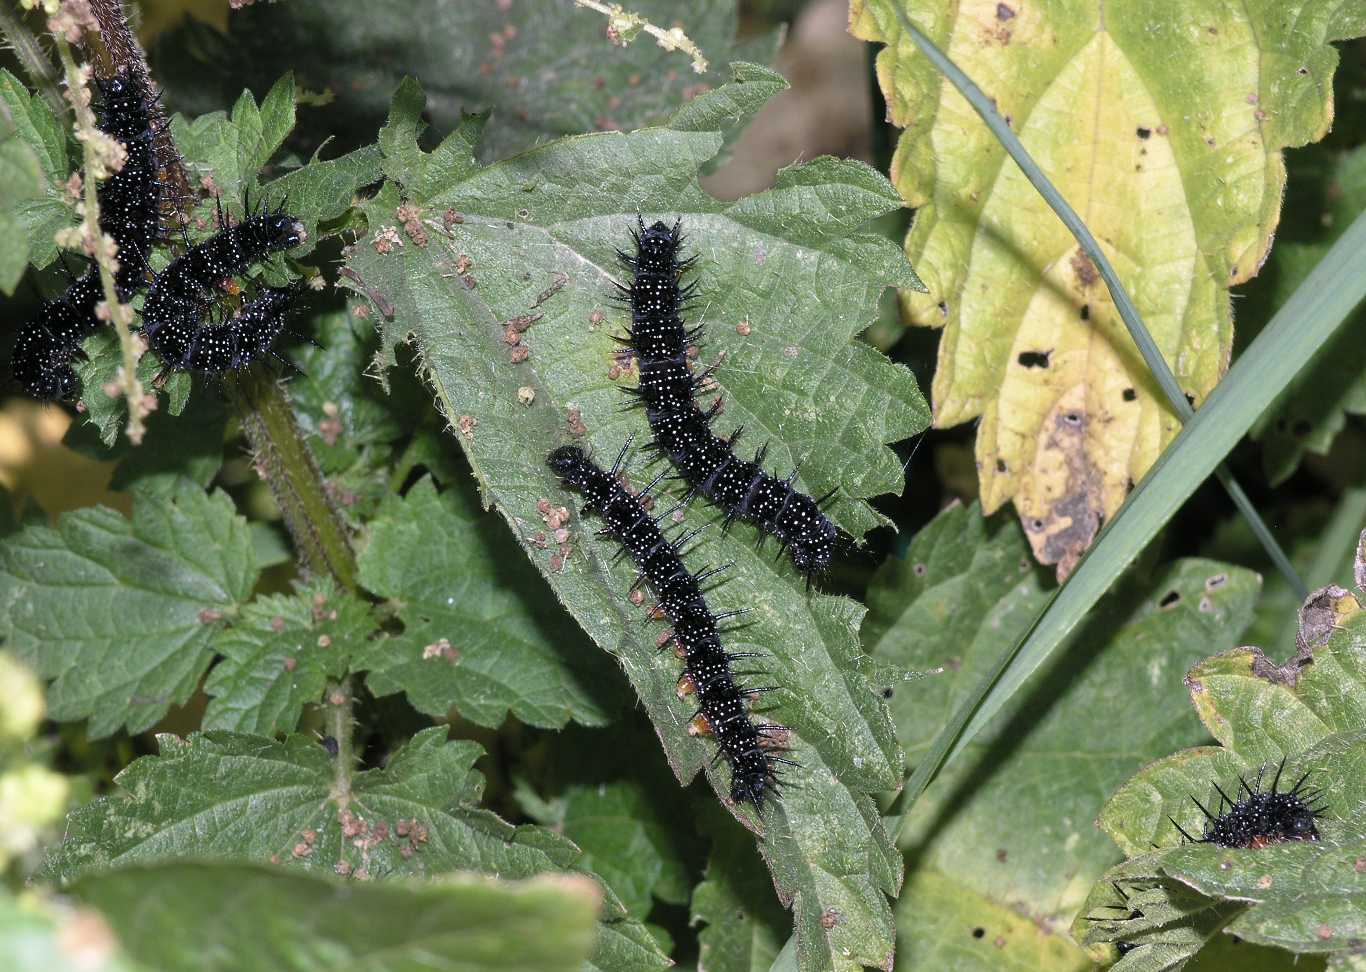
(743, 926)
(1079, 727)
(278, 655)
(188, 444)
(333, 384)
(621, 840)
(23, 184)
(33, 153)
(545, 68)
(286, 921)
(1163, 124)
(38, 934)
(1307, 714)
(474, 638)
(1314, 409)
(119, 613)
(532, 240)
(620, 810)
(234, 796)
(234, 150)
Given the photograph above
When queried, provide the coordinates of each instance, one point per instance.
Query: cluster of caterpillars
(682, 430)
(177, 317)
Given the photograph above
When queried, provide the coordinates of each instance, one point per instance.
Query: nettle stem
(339, 720)
(284, 461)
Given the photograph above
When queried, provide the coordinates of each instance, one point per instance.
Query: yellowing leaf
(1162, 122)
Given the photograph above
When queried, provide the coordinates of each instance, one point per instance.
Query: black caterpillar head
(657, 246)
(573, 467)
(275, 230)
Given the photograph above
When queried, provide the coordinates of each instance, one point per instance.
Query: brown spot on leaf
(1084, 270)
(1063, 505)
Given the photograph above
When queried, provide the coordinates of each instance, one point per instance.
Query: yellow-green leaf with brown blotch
(1162, 122)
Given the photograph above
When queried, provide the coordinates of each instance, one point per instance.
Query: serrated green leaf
(619, 809)
(22, 181)
(269, 918)
(1163, 124)
(743, 926)
(35, 124)
(334, 372)
(118, 613)
(1314, 408)
(278, 655)
(263, 130)
(1307, 713)
(543, 68)
(966, 586)
(234, 796)
(608, 822)
(41, 935)
(474, 639)
(33, 159)
(535, 236)
(188, 445)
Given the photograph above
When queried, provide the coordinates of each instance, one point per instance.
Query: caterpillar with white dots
(130, 203)
(752, 748)
(175, 316)
(682, 429)
(1261, 818)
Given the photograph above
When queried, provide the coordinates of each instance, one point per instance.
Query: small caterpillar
(175, 314)
(682, 429)
(130, 204)
(1263, 817)
(748, 746)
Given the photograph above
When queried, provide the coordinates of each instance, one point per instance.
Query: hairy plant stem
(339, 721)
(41, 74)
(286, 464)
(119, 313)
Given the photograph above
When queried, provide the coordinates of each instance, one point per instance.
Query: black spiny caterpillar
(175, 316)
(1262, 817)
(682, 429)
(749, 746)
(130, 204)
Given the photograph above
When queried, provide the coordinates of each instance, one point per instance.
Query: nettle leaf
(744, 927)
(270, 918)
(278, 655)
(473, 639)
(622, 841)
(188, 444)
(985, 836)
(621, 811)
(240, 797)
(1163, 124)
(120, 613)
(1314, 408)
(475, 250)
(33, 153)
(544, 68)
(1308, 713)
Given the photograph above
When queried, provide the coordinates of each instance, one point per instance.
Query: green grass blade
(1127, 311)
(1311, 315)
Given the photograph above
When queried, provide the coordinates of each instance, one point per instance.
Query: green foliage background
(427, 728)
